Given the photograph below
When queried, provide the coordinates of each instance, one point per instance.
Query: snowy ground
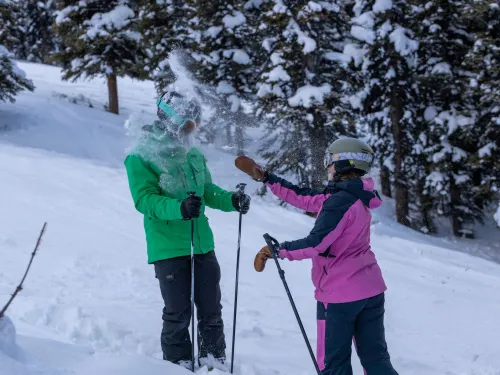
(92, 305)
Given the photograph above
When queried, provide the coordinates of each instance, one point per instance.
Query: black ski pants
(174, 276)
(340, 323)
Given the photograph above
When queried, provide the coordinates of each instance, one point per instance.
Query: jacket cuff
(283, 254)
(266, 177)
(284, 245)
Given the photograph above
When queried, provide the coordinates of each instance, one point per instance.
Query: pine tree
(302, 84)
(40, 41)
(165, 25)
(11, 26)
(100, 40)
(388, 93)
(224, 59)
(482, 64)
(12, 79)
(444, 43)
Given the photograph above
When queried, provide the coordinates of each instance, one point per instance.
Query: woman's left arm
(332, 220)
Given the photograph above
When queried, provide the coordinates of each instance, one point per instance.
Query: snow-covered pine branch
(302, 85)
(224, 49)
(12, 79)
(385, 45)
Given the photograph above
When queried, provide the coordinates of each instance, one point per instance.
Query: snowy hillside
(91, 304)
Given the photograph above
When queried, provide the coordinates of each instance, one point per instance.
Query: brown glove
(250, 167)
(261, 258)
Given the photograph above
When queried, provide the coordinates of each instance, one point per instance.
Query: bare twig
(20, 286)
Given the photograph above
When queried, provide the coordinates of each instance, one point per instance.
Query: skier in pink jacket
(349, 283)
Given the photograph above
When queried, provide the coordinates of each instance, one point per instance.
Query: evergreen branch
(20, 286)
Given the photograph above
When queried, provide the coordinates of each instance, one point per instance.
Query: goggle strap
(179, 120)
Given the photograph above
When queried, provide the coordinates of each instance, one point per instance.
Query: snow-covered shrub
(12, 79)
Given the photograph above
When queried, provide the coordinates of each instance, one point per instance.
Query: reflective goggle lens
(328, 160)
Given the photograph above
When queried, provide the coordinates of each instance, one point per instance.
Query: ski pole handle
(191, 193)
(272, 243)
(241, 188)
(241, 192)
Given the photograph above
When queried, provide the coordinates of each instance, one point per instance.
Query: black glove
(191, 208)
(241, 202)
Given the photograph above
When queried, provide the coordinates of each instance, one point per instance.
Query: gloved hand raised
(241, 202)
(191, 207)
(251, 168)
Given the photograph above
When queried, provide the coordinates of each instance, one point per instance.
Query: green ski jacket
(160, 173)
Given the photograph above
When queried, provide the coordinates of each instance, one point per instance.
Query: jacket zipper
(194, 176)
(194, 173)
(184, 182)
(323, 274)
(196, 184)
(183, 178)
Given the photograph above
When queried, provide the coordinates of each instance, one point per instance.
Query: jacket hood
(361, 188)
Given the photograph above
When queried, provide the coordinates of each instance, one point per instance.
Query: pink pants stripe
(320, 344)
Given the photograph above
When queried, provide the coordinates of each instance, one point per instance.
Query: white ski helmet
(349, 154)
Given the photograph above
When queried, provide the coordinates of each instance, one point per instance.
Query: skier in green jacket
(161, 170)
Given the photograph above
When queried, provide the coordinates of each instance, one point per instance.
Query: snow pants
(174, 276)
(339, 324)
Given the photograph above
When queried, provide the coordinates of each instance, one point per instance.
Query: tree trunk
(385, 180)
(454, 202)
(402, 201)
(457, 215)
(239, 134)
(401, 187)
(425, 206)
(229, 136)
(319, 143)
(113, 94)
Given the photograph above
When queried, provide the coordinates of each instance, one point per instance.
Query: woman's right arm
(310, 200)
(145, 190)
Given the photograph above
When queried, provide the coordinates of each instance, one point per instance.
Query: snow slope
(91, 304)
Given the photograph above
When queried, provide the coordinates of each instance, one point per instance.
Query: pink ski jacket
(344, 269)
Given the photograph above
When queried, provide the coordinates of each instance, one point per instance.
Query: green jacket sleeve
(215, 197)
(143, 183)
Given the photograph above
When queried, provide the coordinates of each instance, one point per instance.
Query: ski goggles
(328, 160)
(351, 156)
(178, 109)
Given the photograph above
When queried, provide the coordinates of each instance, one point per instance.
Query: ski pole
(241, 191)
(192, 194)
(274, 247)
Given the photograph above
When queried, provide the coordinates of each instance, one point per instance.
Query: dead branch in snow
(20, 286)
